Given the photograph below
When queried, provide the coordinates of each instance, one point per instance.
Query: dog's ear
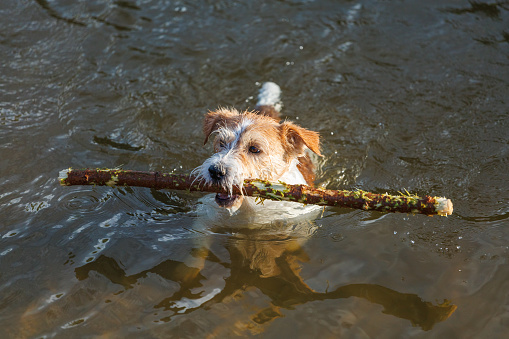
(216, 119)
(295, 137)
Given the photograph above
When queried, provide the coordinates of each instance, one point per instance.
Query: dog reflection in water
(251, 279)
(264, 247)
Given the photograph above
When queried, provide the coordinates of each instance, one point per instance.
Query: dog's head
(251, 146)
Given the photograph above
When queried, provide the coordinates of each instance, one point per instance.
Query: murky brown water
(407, 95)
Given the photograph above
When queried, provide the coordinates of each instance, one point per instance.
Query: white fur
(270, 95)
(254, 213)
(293, 176)
(226, 159)
(237, 132)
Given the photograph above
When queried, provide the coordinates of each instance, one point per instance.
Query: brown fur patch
(269, 111)
(295, 137)
(229, 117)
(307, 169)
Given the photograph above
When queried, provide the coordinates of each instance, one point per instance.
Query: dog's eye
(222, 144)
(254, 149)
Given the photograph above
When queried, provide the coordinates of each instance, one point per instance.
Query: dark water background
(406, 94)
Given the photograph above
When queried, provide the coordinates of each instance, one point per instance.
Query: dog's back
(269, 100)
(269, 104)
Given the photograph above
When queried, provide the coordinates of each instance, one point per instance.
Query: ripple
(84, 202)
(106, 141)
(486, 219)
(10, 234)
(6, 251)
(74, 323)
(81, 201)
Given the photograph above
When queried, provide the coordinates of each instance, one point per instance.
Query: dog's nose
(216, 172)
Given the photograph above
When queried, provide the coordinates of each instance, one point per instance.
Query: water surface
(406, 95)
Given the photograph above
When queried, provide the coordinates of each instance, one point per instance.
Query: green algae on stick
(263, 189)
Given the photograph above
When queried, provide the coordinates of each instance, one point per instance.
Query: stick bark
(266, 190)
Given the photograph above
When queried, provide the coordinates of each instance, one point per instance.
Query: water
(406, 95)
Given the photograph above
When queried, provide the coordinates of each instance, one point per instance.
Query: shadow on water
(489, 9)
(270, 266)
(54, 14)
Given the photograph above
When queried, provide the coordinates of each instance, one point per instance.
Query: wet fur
(280, 144)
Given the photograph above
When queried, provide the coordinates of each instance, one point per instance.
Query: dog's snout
(216, 172)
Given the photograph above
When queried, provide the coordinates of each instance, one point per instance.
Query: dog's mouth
(226, 200)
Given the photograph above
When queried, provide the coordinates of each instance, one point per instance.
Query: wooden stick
(258, 188)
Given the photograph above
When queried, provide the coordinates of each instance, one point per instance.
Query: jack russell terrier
(257, 145)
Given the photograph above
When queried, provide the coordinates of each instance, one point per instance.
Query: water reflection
(407, 95)
(264, 262)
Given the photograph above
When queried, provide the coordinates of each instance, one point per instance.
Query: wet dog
(256, 145)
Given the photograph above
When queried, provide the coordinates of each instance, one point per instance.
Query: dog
(256, 145)
(263, 238)
(255, 275)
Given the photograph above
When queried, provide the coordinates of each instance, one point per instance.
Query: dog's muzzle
(218, 174)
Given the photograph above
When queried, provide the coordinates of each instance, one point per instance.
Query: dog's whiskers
(198, 176)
